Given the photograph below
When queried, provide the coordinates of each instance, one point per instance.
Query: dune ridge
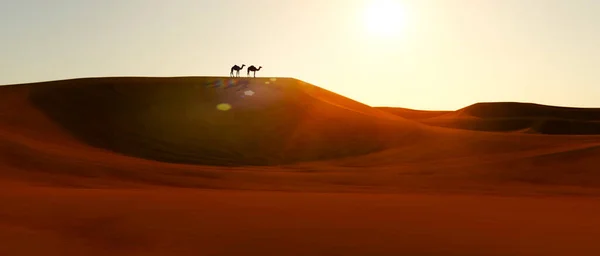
(511, 117)
(413, 114)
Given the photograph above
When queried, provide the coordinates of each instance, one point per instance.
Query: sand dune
(413, 114)
(97, 166)
(177, 120)
(511, 117)
(516, 109)
(168, 131)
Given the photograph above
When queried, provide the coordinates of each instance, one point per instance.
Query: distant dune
(412, 113)
(515, 117)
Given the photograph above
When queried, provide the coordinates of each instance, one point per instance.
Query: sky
(420, 54)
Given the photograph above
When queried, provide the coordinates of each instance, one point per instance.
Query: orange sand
(150, 166)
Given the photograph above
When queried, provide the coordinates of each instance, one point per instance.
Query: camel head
(259, 67)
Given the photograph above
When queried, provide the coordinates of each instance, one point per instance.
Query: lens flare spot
(223, 107)
(249, 93)
(273, 79)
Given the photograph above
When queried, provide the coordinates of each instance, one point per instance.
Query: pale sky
(444, 54)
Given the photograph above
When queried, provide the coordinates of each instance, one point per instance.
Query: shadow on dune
(177, 120)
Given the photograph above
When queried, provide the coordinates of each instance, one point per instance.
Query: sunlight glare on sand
(273, 79)
(267, 82)
(249, 93)
(223, 107)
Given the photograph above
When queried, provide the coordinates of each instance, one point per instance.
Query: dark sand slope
(177, 120)
(523, 117)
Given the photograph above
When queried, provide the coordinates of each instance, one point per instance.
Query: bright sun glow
(384, 18)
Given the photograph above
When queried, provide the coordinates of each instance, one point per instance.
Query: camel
(253, 69)
(237, 69)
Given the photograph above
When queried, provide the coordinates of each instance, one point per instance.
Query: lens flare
(217, 83)
(223, 107)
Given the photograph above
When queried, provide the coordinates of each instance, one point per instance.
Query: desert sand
(277, 166)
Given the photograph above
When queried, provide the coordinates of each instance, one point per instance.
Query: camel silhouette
(237, 69)
(253, 69)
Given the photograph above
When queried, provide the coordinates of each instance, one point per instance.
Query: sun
(384, 18)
